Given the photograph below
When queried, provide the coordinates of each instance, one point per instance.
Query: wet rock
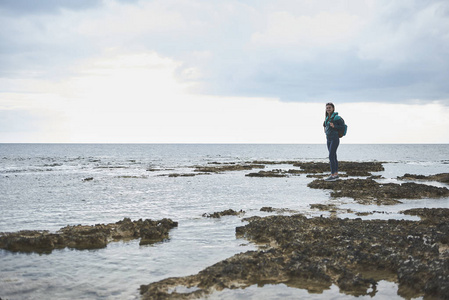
(228, 212)
(172, 175)
(367, 213)
(332, 208)
(157, 169)
(272, 173)
(442, 177)
(277, 210)
(271, 162)
(358, 173)
(350, 168)
(368, 191)
(182, 175)
(87, 237)
(227, 168)
(433, 215)
(318, 252)
(294, 172)
(324, 207)
(313, 167)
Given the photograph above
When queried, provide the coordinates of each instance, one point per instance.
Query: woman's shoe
(331, 178)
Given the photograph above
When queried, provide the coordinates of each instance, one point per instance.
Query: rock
(368, 191)
(228, 212)
(351, 168)
(226, 168)
(323, 207)
(432, 215)
(273, 173)
(182, 175)
(270, 162)
(442, 177)
(158, 169)
(86, 237)
(277, 210)
(316, 253)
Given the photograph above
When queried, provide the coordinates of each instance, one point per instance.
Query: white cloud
(178, 70)
(304, 31)
(402, 35)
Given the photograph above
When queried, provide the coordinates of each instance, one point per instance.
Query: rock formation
(315, 253)
(368, 191)
(87, 237)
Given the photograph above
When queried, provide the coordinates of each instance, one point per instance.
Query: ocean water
(42, 187)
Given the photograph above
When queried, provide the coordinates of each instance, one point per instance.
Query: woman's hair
(331, 104)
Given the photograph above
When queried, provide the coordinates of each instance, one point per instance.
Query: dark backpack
(341, 132)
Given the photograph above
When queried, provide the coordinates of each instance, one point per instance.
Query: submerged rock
(272, 173)
(182, 175)
(351, 168)
(228, 212)
(270, 209)
(316, 253)
(87, 237)
(442, 177)
(227, 168)
(368, 191)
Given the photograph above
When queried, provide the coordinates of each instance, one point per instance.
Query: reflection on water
(385, 290)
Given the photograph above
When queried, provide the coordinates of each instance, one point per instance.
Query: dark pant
(332, 146)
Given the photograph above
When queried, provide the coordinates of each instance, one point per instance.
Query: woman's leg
(332, 146)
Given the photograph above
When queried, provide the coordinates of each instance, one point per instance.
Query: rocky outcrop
(87, 237)
(227, 168)
(429, 214)
(316, 253)
(442, 177)
(362, 169)
(368, 191)
(270, 209)
(272, 173)
(350, 168)
(228, 212)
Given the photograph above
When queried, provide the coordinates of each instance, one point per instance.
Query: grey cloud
(410, 60)
(403, 54)
(341, 76)
(24, 7)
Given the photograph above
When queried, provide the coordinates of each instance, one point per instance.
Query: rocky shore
(350, 168)
(87, 237)
(301, 252)
(228, 212)
(315, 253)
(368, 191)
(442, 177)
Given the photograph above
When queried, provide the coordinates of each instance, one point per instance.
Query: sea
(44, 187)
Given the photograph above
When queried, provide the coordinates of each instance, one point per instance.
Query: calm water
(42, 188)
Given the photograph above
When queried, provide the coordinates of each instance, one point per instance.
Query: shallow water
(42, 188)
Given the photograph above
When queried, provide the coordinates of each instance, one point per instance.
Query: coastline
(359, 183)
(314, 253)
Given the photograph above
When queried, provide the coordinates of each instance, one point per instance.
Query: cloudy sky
(202, 71)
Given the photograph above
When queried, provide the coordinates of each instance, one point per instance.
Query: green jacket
(332, 133)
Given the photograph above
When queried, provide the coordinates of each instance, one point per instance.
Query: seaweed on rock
(318, 252)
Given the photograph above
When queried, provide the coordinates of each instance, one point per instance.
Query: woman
(332, 123)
